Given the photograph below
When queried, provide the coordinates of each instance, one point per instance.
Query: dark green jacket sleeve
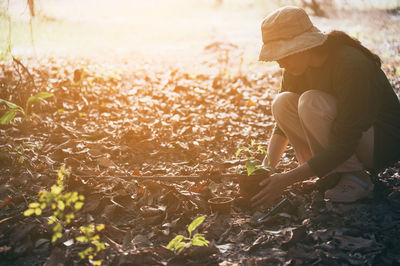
(357, 105)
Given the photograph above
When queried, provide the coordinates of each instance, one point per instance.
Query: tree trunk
(31, 4)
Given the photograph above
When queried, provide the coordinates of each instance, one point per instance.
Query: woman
(336, 108)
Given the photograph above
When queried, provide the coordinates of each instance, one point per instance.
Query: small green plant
(63, 205)
(15, 109)
(90, 236)
(15, 155)
(181, 242)
(224, 52)
(251, 152)
(24, 147)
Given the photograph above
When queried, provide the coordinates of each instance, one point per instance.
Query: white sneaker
(351, 187)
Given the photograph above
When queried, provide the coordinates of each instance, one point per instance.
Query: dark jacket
(364, 97)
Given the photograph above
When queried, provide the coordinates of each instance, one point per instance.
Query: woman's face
(296, 64)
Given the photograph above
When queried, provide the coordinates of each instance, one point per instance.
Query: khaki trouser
(306, 120)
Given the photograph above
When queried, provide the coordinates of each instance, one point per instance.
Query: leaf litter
(112, 127)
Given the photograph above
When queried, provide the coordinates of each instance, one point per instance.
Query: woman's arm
(274, 185)
(277, 145)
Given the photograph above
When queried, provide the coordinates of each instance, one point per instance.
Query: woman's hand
(272, 190)
(276, 183)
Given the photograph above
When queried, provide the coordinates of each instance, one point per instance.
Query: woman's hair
(339, 38)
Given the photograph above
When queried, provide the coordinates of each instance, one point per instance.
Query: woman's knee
(314, 102)
(283, 102)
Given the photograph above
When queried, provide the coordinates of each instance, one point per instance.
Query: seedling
(225, 52)
(90, 236)
(63, 205)
(15, 109)
(250, 154)
(23, 148)
(181, 242)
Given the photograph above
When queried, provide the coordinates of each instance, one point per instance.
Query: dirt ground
(171, 112)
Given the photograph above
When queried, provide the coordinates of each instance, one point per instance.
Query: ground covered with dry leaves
(115, 124)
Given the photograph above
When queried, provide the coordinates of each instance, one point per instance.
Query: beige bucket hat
(286, 31)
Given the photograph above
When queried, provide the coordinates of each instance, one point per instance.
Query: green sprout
(63, 205)
(90, 236)
(181, 242)
(251, 152)
(15, 109)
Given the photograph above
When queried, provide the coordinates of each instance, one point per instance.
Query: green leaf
(261, 149)
(38, 97)
(10, 104)
(82, 254)
(174, 242)
(99, 227)
(61, 172)
(82, 239)
(38, 211)
(78, 205)
(29, 212)
(74, 196)
(199, 240)
(88, 230)
(242, 149)
(238, 152)
(89, 250)
(265, 152)
(34, 205)
(196, 222)
(43, 95)
(252, 142)
(98, 245)
(198, 236)
(250, 167)
(56, 236)
(69, 217)
(180, 247)
(57, 227)
(52, 219)
(101, 246)
(56, 189)
(96, 262)
(60, 205)
(7, 117)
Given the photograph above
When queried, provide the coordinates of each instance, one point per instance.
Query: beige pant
(306, 120)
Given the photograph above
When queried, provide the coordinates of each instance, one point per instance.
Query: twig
(26, 70)
(224, 235)
(214, 177)
(31, 4)
(20, 77)
(31, 32)
(6, 219)
(9, 28)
